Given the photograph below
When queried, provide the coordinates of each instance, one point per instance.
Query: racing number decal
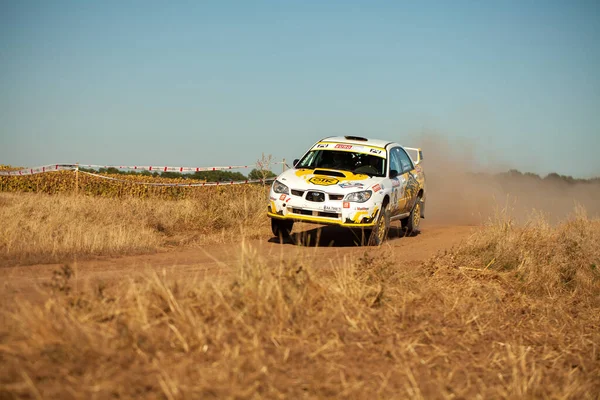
(318, 180)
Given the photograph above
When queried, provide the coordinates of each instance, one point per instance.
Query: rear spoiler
(416, 154)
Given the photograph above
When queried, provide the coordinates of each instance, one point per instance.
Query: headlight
(279, 187)
(359, 197)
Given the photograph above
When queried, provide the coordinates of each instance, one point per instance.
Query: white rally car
(352, 182)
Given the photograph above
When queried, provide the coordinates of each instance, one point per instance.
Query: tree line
(551, 177)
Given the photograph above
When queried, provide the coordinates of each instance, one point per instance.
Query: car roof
(358, 140)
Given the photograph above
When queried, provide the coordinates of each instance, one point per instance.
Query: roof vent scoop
(362, 139)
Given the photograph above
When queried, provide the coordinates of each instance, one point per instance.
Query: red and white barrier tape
(40, 170)
(154, 168)
(181, 184)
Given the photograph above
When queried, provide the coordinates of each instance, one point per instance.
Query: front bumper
(330, 211)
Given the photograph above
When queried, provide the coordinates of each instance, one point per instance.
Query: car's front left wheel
(281, 228)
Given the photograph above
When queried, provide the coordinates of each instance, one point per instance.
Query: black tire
(281, 228)
(380, 231)
(414, 219)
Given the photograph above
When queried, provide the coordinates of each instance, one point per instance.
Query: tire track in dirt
(321, 247)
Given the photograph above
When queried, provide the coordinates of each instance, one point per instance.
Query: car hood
(327, 180)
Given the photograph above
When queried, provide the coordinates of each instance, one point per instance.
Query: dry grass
(512, 313)
(43, 228)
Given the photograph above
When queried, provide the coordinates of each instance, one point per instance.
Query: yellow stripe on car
(357, 217)
(320, 220)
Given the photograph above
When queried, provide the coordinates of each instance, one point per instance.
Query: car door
(409, 180)
(397, 179)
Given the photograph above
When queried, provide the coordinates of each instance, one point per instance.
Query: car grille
(315, 213)
(301, 211)
(315, 196)
(328, 214)
(311, 197)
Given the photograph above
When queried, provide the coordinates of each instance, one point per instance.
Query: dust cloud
(459, 191)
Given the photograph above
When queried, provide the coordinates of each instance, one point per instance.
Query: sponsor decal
(332, 208)
(272, 198)
(343, 146)
(347, 185)
(323, 181)
(351, 147)
(411, 189)
(395, 182)
(377, 188)
(282, 197)
(346, 204)
(362, 208)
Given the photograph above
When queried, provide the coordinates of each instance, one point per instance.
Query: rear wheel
(281, 228)
(380, 231)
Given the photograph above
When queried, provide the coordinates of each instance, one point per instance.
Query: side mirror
(296, 161)
(393, 173)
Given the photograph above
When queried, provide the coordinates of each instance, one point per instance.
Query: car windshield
(358, 163)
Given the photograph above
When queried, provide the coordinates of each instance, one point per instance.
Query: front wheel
(380, 230)
(281, 228)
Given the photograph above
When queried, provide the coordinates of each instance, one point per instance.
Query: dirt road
(318, 247)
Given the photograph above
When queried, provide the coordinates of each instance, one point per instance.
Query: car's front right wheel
(380, 231)
(281, 228)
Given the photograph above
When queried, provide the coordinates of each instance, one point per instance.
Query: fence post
(77, 179)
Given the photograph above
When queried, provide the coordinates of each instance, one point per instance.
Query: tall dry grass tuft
(43, 228)
(545, 260)
(534, 291)
(460, 326)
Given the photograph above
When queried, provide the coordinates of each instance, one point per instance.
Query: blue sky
(203, 83)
